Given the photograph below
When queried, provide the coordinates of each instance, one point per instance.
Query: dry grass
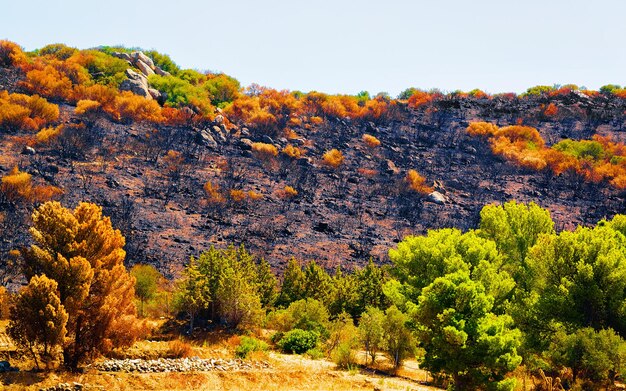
(286, 372)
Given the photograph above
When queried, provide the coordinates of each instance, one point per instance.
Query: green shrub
(249, 344)
(315, 353)
(298, 341)
(343, 355)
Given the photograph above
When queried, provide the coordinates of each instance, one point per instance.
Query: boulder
(29, 151)
(144, 68)
(154, 93)
(161, 72)
(140, 57)
(123, 56)
(390, 168)
(136, 83)
(245, 144)
(437, 198)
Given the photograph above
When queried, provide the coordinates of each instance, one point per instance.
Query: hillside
(151, 174)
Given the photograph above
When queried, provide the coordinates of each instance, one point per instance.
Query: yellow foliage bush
(416, 182)
(130, 107)
(86, 105)
(26, 112)
(237, 196)
(333, 158)
(371, 141)
(291, 151)
(46, 135)
(214, 196)
(18, 186)
(264, 151)
(481, 129)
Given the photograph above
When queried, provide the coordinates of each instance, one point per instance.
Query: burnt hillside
(150, 178)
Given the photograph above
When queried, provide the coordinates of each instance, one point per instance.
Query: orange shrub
(371, 141)
(130, 107)
(419, 98)
(237, 196)
(87, 106)
(49, 82)
(416, 182)
(316, 120)
(11, 54)
(551, 110)
(26, 112)
(18, 186)
(254, 196)
(264, 151)
(481, 129)
(46, 135)
(333, 158)
(287, 193)
(292, 152)
(214, 196)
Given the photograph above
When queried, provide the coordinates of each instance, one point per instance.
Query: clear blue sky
(339, 46)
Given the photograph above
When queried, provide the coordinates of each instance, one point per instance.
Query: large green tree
(462, 337)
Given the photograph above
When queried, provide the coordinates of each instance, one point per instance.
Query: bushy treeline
(473, 306)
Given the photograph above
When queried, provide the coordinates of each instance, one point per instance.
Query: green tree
(344, 295)
(596, 356)
(267, 284)
(370, 331)
(419, 260)
(192, 295)
(38, 320)
(229, 276)
(461, 337)
(581, 278)
(369, 285)
(84, 255)
(397, 338)
(146, 282)
(515, 228)
(292, 287)
(317, 283)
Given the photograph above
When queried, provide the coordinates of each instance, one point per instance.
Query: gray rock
(267, 139)
(123, 56)
(29, 151)
(390, 168)
(144, 68)
(437, 198)
(139, 56)
(136, 83)
(154, 93)
(245, 144)
(219, 119)
(161, 72)
(204, 138)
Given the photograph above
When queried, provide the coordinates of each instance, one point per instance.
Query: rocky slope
(339, 217)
